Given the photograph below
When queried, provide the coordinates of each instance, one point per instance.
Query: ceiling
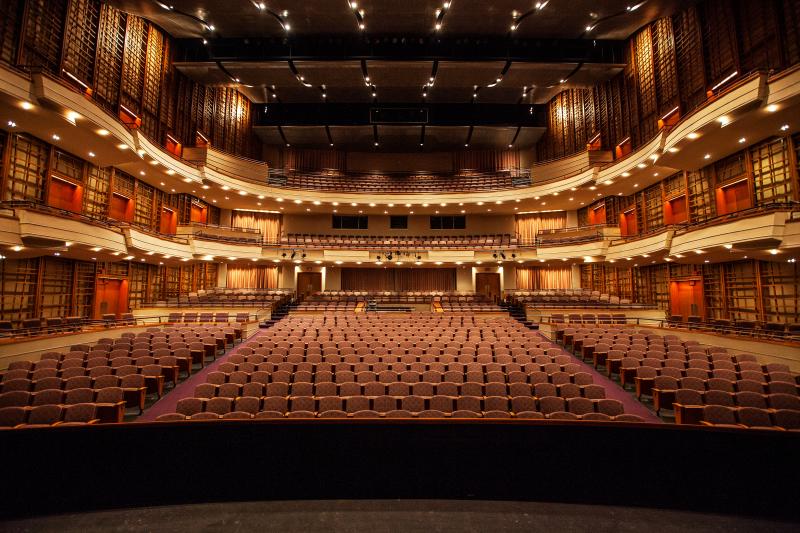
(550, 49)
(557, 19)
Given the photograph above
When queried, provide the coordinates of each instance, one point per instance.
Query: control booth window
(398, 222)
(350, 221)
(448, 222)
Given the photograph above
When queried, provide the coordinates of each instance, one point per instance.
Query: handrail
(105, 223)
(218, 226)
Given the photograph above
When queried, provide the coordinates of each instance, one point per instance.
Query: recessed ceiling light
(56, 137)
(707, 156)
(672, 150)
(784, 127)
(641, 165)
(122, 146)
(26, 105)
(242, 193)
(12, 124)
(694, 135)
(141, 172)
(103, 132)
(91, 154)
(742, 140)
(772, 108)
(298, 201)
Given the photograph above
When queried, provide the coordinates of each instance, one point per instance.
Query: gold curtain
(534, 278)
(268, 223)
(252, 277)
(399, 279)
(309, 159)
(529, 225)
(486, 160)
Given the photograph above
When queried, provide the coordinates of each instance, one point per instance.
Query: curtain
(529, 225)
(252, 277)
(486, 160)
(315, 160)
(399, 279)
(534, 278)
(268, 223)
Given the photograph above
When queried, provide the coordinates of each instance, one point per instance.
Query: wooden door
(488, 283)
(686, 298)
(112, 297)
(308, 283)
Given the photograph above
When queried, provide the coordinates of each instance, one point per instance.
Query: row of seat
(664, 389)
(109, 401)
(336, 181)
(398, 389)
(399, 414)
(689, 403)
(392, 242)
(384, 404)
(751, 417)
(207, 318)
(49, 415)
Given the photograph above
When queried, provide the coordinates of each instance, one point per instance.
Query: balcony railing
(392, 242)
(463, 181)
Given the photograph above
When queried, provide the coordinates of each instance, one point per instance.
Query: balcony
(41, 226)
(758, 228)
(420, 242)
(402, 183)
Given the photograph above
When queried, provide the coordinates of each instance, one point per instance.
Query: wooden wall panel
(110, 51)
(80, 40)
(43, 34)
(11, 12)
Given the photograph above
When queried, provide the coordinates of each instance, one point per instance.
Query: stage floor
(424, 516)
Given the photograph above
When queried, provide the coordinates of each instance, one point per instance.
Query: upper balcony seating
(226, 297)
(402, 183)
(393, 241)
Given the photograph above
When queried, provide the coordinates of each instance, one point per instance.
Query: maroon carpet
(185, 389)
(615, 392)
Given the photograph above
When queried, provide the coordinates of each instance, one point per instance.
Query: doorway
(112, 297)
(488, 283)
(686, 298)
(308, 283)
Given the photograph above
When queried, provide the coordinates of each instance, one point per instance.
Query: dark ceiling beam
(402, 48)
(366, 114)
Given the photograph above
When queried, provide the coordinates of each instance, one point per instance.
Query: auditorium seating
(569, 298)
(138, 364)
(405, 241)
(459, 302)
(228, 297)
(34, 327)
(682, 375)
(371, 366)
(403, 183)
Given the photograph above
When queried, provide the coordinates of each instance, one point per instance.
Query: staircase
(517, 312)
(278, 313)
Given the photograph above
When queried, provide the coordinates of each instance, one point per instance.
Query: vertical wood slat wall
(762, 291)
(673, 62)
(124, 60)
(770, 168)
